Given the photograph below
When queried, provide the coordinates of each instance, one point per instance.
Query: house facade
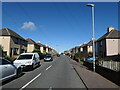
(109, 44)
(12, 44)
(90, 47)
(41, 47)
(45, 49)
(32, 45)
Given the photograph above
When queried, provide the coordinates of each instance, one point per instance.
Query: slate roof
(30, 41)
(90, 43)
(45, 46)
(9, 32)
(83, 45)
(40, 44)
(114, 34)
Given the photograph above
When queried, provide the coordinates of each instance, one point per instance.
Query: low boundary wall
(111, 75)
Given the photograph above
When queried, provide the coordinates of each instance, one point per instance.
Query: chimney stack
(38, 41)
(84, 42)
(110, 29)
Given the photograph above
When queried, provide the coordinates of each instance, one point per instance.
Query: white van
(30, 60)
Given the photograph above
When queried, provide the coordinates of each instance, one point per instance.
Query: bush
(80, 56)
(10, 58)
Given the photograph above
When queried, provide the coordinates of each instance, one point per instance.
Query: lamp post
(93, 39)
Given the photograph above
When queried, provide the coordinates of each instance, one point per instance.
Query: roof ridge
(7, 31)
(31, 40)
(103, 36)
(110, 33)
(12, 33)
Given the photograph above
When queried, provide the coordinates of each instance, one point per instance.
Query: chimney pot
(38, 41)
(110, 29)
(84, 42)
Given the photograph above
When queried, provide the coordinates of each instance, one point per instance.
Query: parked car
(89, 59)
(9, 70)
(28, 60)
(48, 58)
(58, 55)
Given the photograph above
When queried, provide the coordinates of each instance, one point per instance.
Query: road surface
(56, 74)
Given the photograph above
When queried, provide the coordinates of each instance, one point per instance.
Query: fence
(114, 65)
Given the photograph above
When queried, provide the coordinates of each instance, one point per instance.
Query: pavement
(91, 79)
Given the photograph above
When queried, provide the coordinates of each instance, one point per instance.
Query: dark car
(48, 58)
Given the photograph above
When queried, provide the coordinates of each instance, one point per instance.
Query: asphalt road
(56, 74)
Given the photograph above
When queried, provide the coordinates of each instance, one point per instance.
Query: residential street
(56, 74)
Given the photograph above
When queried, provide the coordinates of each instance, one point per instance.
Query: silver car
(48, 58)
(8, 70)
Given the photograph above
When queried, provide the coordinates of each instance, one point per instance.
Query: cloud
(28, 26)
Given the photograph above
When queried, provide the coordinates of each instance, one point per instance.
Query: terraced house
(12, 44)
(88, 48)
(32, 45)
(41, 46)
(45, 49)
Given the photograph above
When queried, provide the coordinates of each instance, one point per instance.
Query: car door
(34, 60)
(37, 58)
(0, 68)
(7, 69)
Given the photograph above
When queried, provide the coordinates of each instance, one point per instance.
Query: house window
(22, 42)
(15, 50)
(16, 40)
(4, 53)
(81, 49)
(44, 48)
(101, 43)
(22, 51)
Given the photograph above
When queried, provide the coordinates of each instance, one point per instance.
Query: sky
(61, 25)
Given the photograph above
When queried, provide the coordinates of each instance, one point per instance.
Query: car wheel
(38, 64)
(19, 72)
(32, 67)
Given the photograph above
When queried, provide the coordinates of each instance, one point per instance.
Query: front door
(11, 52)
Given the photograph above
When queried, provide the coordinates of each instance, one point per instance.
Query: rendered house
(12, 44)
(50, 50)
(73, 51)
(44, 48)
(84, 47)
(76, 49)
(41, 47)
(109, 44)
(90, 47)
(80, 49)
(32, 45)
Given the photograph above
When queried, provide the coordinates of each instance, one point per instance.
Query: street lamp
(93, 39)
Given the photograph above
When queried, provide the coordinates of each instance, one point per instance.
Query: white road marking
(50, 88)
(30, 81)
(48, 67)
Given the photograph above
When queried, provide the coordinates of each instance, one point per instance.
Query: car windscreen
(4, 61)
(47, 56)
(21, 57)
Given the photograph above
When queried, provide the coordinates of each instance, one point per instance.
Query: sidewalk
(91, 79)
